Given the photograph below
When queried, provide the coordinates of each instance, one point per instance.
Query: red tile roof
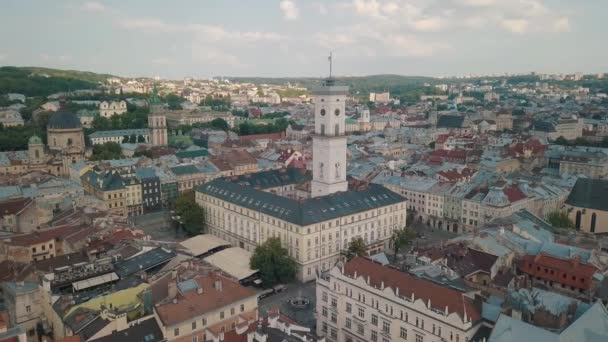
(44, 235)
(514, 193)
(571, 272)
(14, 206)
(191, 304)
(439, 296)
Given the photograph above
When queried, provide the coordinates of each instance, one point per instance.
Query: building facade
(157, 125)
(108, 109)
(365, 301)
(119, 136)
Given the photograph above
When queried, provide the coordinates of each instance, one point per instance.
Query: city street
(159, 226)
(306, 316)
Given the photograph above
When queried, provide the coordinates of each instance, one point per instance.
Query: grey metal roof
(119, 133)
(589, 193)
(144, 261)
(450, 121)
(304, 212)
(273, 178)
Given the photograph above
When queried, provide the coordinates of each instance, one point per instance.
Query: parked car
(266, 293)
(279, 288)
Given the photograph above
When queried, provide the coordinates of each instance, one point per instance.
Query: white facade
(329, 141)
(355, 308)
(111, 108)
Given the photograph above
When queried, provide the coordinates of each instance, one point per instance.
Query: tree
(355, 248)
(562, 141)
(273, 262)
(560, 219)
(125, 139)
(402, 238)
(101, 124)
(141, 139)
(174, 101)
(192, 215)
(219, 123)
(107, 151)
(133, 139)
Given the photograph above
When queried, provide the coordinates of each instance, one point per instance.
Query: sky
(288, 38)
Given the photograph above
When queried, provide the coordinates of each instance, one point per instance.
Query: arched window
(69, 141)
(578, 220)
(322, 129)
(37, 153)
(337, 129)
(320, 170)
(593, 219)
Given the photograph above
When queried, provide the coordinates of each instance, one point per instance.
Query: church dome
(34, 140)
(64, 120)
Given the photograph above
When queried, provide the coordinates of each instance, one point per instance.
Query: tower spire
(330, 59)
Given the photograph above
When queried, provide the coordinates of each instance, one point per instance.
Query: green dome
(34, 139)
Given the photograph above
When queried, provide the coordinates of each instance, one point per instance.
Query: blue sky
(203, 38)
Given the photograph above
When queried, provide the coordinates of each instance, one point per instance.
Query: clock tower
(329, 140)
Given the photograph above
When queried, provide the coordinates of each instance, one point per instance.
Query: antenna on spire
(330, 59)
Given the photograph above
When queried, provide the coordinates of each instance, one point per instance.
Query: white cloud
(334, 40)
(518, 26)
(204, 32)
(290, 9)
(431, 24)
(561, 25)
(2, 57)
(367, 7)
(477, 3)
(202, 53)
(474, 22)
(93, 6)
(163, 61)
(322, 9)
(410, 46)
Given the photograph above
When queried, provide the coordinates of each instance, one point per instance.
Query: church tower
(35, 150)
(329, 140)
(157, 125)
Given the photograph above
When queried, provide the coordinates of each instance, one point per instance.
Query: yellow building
(206, 305)
(108, 186)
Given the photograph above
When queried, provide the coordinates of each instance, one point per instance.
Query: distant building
(107, 109)
(491, 97)
(10, 118)
(118, 136)
(504, 120)
(109, 187)
(150, 188)
(384, 97)
(157, 125)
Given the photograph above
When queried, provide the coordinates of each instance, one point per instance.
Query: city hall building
(315, 218)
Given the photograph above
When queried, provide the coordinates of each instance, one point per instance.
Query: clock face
(322, 112)
(337, 112)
